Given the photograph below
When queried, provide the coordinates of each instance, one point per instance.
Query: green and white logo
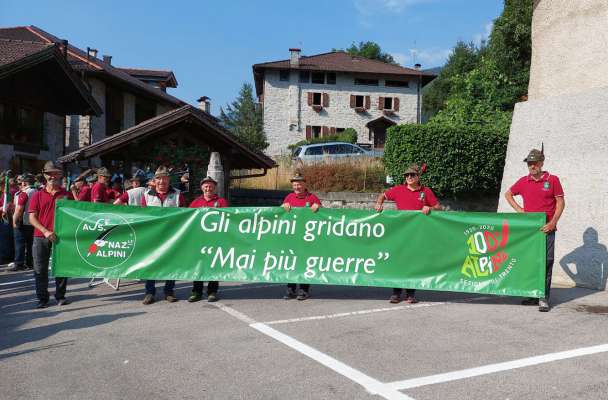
(546, 186)
(105, 240)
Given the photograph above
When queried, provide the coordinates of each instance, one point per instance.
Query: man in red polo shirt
(411, 196)
(208, 199)
(541, 192)
(300, 197)
(42, 217)
(99, 191)
(164, 195)
(80, 189)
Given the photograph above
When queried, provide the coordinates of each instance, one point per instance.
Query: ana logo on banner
(487, 252)
(105, 240)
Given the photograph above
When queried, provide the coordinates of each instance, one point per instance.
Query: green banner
(491, 253)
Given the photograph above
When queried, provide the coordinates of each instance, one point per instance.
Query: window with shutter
(325, 131)
(396, 103)
(309, 98)
(367, 102)
(308, 132)
(325, 100)
(317, 98)
(380, 103)
(352, 101)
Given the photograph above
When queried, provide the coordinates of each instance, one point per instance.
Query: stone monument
(567, 110)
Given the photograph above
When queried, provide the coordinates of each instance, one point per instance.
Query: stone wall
(285, 104)
(568, 112)
(568, 47)
(265, 198)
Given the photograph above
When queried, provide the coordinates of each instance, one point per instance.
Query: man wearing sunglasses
(541, 192)
(411, 196)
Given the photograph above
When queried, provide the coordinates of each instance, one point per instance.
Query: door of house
(379, 137)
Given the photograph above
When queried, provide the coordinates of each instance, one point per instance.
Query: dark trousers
(24, 239)
(41, 251)
(151, 287)
(304, 286)
(408, 292)
(550, 259)
(212, 287)
(7, 245)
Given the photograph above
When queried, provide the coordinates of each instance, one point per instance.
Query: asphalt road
(343, 343)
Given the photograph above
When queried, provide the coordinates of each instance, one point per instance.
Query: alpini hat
(298, 178)
(50, 166)
(535, 155)
(103, 171)
(412, 169)
(161, 171)
(208, 179)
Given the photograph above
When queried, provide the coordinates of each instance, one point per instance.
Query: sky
(211, 45)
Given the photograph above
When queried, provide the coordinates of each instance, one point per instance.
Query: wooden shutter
(380, 103)
(353, 101)
(325, 100)
(396, 103)
(367, 102)
(309, 98)
(324, 131)
(308, 132)
(332, 130)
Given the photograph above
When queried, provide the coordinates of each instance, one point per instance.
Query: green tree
(244, 119)
(510, 46)
(463, 58)
(369, 50)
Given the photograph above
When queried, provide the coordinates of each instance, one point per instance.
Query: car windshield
(314, 151)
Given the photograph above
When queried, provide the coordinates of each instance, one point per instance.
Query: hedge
(460, 158)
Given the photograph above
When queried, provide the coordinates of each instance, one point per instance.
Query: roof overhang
(201, 127)
(380, 121)
(45, 81)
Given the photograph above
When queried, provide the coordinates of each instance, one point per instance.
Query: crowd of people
(28, 212)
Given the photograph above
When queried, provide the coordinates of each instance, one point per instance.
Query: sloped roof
(80, 60)
(341, 61)
(199, 123)
(152, 74)
(38, 75)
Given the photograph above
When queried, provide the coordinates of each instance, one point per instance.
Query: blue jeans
(24, 238)
(7, 252)
(151, 287)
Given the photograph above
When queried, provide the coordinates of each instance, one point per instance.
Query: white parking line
(493, 368)
(348, 314)
(372, 385)
(14, 282)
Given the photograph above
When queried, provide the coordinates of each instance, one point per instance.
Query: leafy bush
(460, 158)
(349, 135)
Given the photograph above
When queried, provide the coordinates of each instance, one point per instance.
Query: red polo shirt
(539, 195)
(99, 193)
(84, 194)
(301, 200)
(215, 201)
(43, 205)
(22, 199)
(408, 199)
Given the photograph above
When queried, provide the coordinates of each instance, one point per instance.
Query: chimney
(417, 67)
(107, 59)
(92, 52)
(294, 57)
(204, 103)
(64, 48)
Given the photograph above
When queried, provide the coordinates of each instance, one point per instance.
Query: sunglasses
(411, 175)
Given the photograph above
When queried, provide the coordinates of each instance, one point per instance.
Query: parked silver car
(312, 153)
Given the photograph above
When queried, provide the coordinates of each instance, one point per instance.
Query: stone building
(127, 96)
(311, 96)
